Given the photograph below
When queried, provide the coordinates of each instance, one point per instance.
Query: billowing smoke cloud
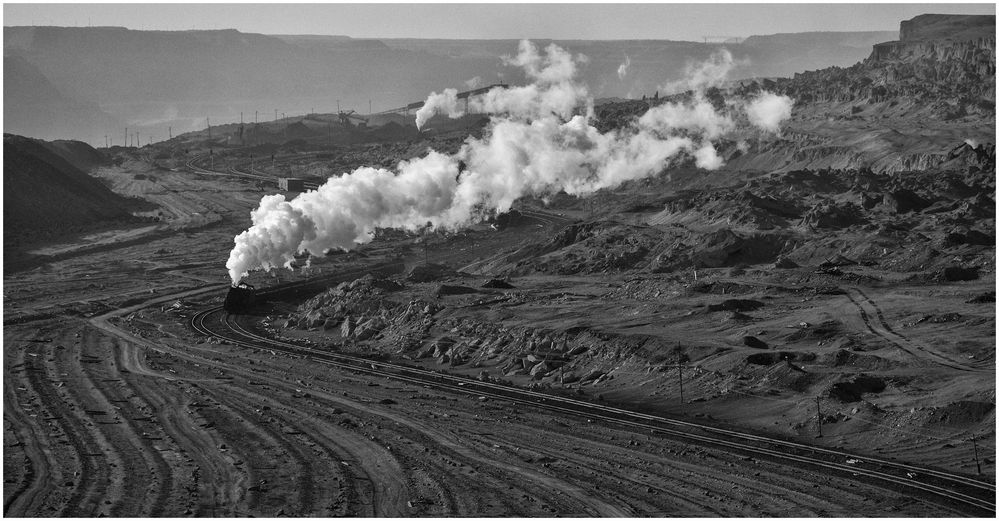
(700, 76)
(474, 83)
(445, 102)
(768, 110)
(622, 70)
(540, 140)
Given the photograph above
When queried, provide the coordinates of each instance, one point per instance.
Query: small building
(291, 184)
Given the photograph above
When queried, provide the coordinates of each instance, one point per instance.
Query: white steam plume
(768, 110)
(700, 76)
(474, 83)
(622, 70)
(446, 102)
(540, 140)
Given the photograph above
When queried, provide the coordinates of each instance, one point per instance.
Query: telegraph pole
(275, 114)
(209, 120)
(255, 112)
(679, 367)
(974, 443)
(170, 132)
(369, 107)
(818, 412)
(126, 137)
(338, 106)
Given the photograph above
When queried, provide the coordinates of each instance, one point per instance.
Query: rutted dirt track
(114, 406)
(104, 426)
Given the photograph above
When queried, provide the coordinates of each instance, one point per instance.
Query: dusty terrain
(810, 284)
(205, 428)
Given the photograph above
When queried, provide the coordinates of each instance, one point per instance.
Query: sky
(492, 21)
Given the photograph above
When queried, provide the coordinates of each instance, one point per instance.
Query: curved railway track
(961, 493)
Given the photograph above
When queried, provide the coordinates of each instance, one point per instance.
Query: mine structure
(416, 105)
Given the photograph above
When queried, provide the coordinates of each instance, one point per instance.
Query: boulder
(851, 391)
(347, 328)
(330, 323)
(785, 263)
(984, 298)
(368, 328)
(570, 377)
(903, 201)
(540, 368)
(957, 273)
(497, 284)
(754, 342)
(442, 346)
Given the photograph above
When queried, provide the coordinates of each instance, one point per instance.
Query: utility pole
(369, 107)
(679, 367)
(126, 137)
(818, 412)
(974, 443)
(240, 118)
(170, 132)
(255, 116)
(209, 120)
(105, 141)
(338, 106)
(275, 114)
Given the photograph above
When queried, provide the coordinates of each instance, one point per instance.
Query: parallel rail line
(955, 488)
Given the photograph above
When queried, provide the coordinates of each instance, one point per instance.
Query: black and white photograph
(538, 260)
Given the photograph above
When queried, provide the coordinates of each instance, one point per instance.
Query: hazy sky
(559, 21)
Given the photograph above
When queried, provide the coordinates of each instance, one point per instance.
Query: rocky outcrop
(943, 58)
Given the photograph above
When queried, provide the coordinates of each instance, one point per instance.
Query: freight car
(240, 298)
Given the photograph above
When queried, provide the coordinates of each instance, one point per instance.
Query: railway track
(962, 493)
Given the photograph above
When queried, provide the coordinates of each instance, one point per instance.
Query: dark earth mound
(47, 196)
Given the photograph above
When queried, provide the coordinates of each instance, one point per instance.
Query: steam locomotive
(240, 298)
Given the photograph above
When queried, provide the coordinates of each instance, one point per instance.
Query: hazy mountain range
(88, 82)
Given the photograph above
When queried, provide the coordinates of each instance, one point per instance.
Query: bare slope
(45, 195)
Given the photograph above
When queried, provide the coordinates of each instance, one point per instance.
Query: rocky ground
(846, 265)
(901, 357)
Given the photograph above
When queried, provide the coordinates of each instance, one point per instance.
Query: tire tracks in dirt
(37, 477)
(875, 321)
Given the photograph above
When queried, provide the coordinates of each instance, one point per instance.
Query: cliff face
(947, 27)
(943, 62)
(954, 49)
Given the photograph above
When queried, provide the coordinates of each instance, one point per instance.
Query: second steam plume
(540, 140)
